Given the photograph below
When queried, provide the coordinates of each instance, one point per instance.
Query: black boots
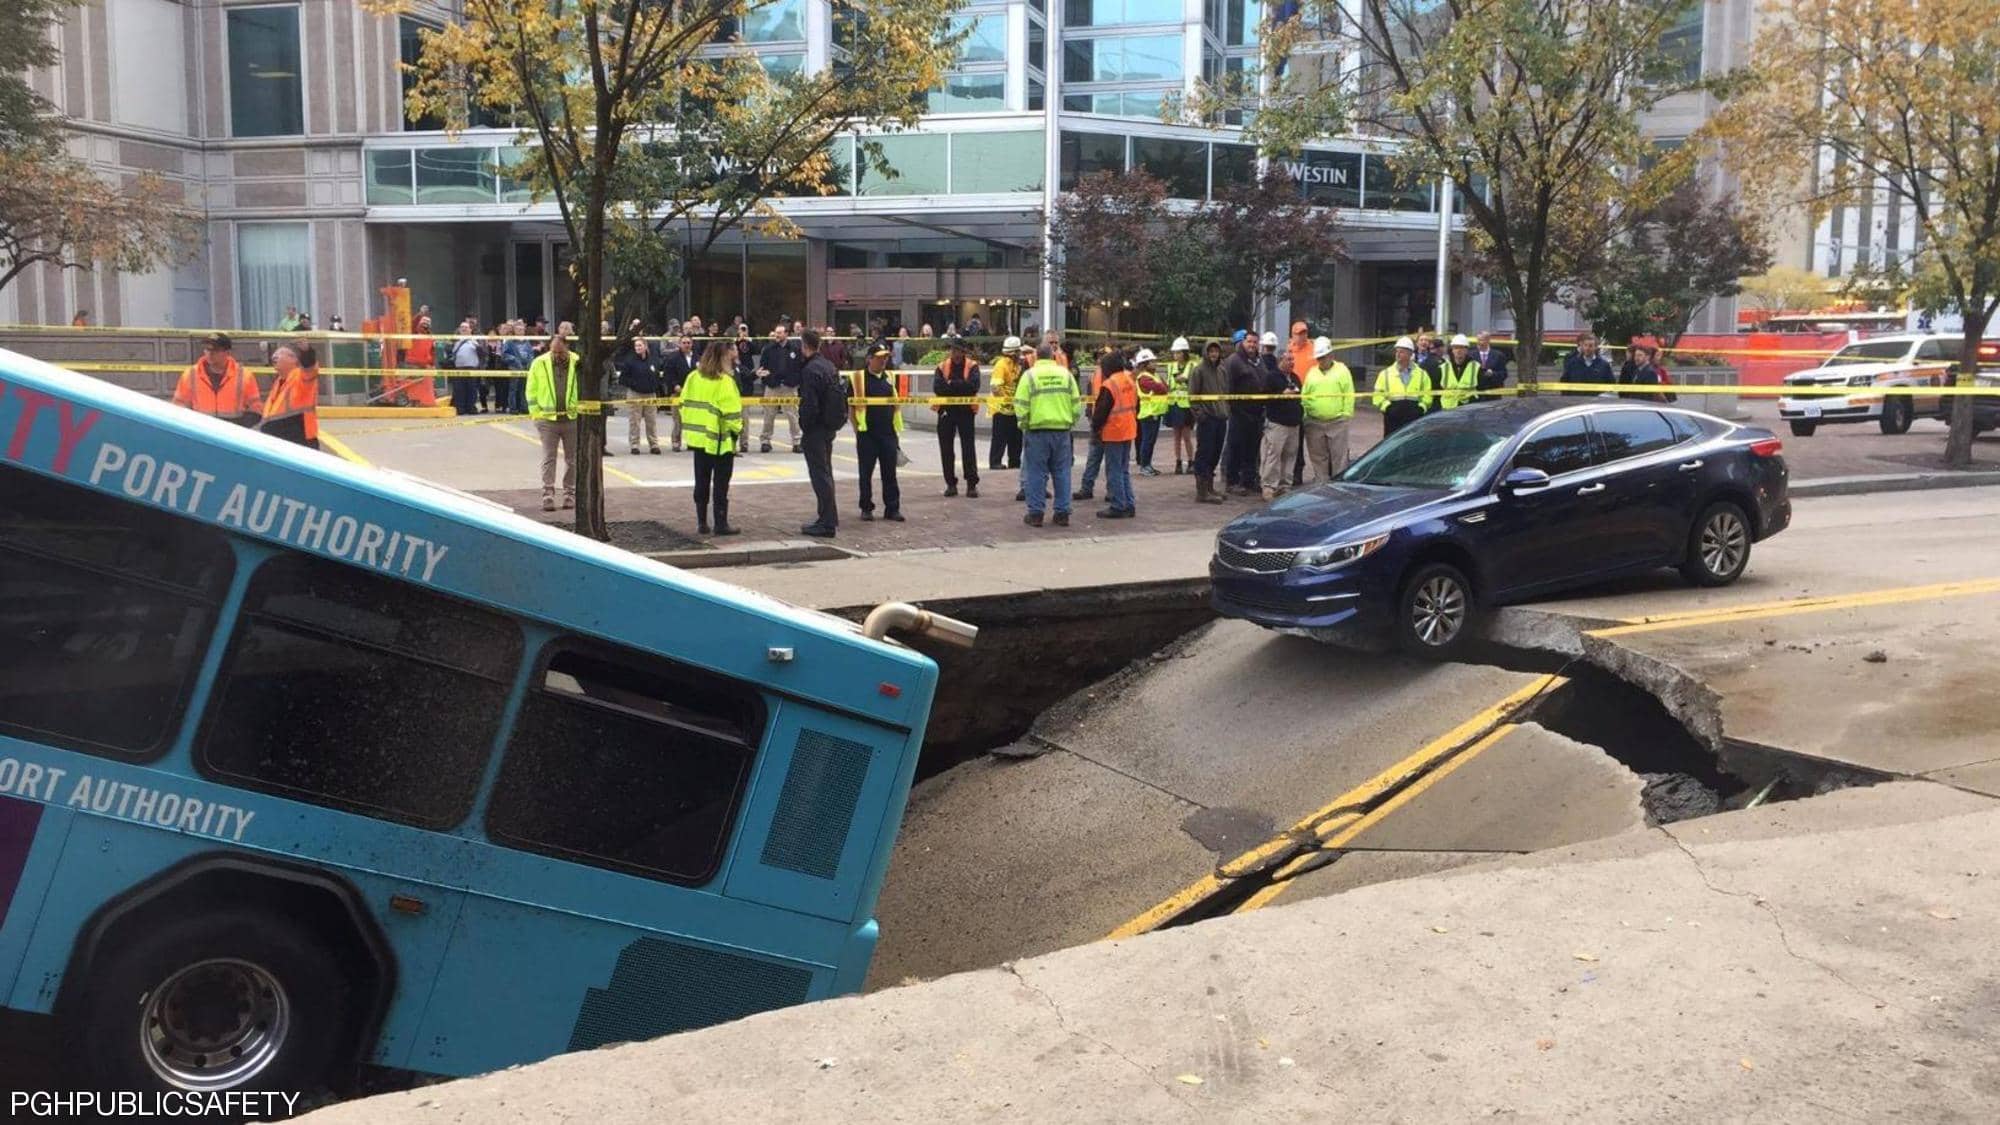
(722, 519)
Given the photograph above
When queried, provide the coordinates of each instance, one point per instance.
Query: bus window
(105, 609)
(360, 692)
(624, 760)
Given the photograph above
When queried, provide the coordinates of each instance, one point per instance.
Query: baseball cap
(217, 340)
(1239, 337)
(880, 349)
(1322, 348)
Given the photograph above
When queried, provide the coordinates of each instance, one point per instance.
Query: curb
(1894, 482)
(752, 554)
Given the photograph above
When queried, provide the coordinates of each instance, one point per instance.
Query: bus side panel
(808, 834)
(105, 858)
(31, 844)
(522, 983)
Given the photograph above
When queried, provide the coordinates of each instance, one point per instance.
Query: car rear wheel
(1804, 429)
(1435, 615)
(1897, 414)
(1718, 546)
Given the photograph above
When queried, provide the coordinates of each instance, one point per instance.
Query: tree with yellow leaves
(643, 118)
(1894, 102)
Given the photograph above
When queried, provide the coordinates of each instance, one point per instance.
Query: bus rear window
(105, 610)
(359, 692)
(624, 760)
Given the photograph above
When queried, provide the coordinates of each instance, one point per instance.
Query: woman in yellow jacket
(711, 412)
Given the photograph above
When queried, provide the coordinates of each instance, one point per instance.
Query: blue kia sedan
(1502, 502)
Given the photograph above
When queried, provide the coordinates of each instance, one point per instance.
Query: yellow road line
(1347, 831)
(1891, 596)
(537, 443)
(339, 448)
(1472, 728)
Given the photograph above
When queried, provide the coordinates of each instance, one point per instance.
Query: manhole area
(651, 535)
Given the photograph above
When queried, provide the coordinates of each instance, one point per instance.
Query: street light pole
(1443, 303)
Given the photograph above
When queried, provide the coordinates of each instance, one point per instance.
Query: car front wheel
(1718, 546)
(1897, 414)
(1435, 615)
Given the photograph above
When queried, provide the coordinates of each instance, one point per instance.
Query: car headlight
(1340, 554)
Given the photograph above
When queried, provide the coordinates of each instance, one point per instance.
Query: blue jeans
(1091, 464)
(1149, 436)
(1047, 455)
(1118, 475)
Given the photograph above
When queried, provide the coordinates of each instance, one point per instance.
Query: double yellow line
(1349, 814)
(1354, 812)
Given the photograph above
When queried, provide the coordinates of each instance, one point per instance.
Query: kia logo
(1249, 542)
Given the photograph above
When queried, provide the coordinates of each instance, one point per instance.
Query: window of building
(314, 697)
(1682, 42)
(987, 39)
(455, 175)
(1116, 13)
(1183, 165)
(627, 761)
(1232, 164)
(410, 38)
(919, 162)
(1240, 22)
(1630, 433)
(273, 271)
(514, 166)
(782, 64)
(1125, 103)
(265, 93)
(1038, 95)
(1558, 448)
(1083, 153)
(389, 174)
(970, 93)
(779, 21)
(996, 162)
(1388, 190)
(110, 606)
(1124, 58)
(1038, 45)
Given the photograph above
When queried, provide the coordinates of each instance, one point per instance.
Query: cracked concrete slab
(1004, 858)
(1837, 973)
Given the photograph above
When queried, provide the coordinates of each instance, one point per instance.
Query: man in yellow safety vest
(1402, 390)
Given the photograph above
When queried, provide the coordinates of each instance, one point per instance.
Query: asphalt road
(1856, 637)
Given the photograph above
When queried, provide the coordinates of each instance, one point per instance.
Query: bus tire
(225, 999)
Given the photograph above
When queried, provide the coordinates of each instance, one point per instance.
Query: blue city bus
(306, 768)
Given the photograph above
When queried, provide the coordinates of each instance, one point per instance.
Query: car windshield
(1442, 452)
(1871, 351)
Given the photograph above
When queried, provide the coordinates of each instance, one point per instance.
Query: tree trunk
(1958, 446)
(590, 519)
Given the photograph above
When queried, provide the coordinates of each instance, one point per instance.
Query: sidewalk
(1798, 962)
(1836, 460)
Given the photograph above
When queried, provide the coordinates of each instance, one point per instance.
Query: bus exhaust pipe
(904, 617)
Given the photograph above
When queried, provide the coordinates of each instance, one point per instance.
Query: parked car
(1910, 359)
(1502, 502)
(1986, 407)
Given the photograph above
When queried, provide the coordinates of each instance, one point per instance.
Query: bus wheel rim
(215, 1024)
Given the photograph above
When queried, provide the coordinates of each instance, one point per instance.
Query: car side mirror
(1519, 481)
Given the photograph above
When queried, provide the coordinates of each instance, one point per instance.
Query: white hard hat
(1459, 341)
(1269, 339)
(1180, 344)
(1322, 348)
(1403, 344)
(1011, 343)
(1145, 356)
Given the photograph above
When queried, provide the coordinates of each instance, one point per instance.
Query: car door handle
(1591, 489)
(1691, 466)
